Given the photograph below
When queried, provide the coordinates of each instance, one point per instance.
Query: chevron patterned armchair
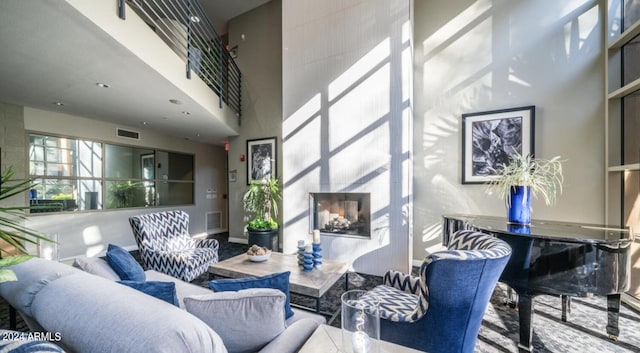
(441, 311)
(166, 246)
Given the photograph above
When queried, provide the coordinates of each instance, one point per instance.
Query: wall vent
(127, 134)
(214, 221)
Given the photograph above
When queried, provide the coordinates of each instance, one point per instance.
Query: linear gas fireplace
(341, 213)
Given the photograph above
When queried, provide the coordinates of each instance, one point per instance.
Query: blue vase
(519, 208)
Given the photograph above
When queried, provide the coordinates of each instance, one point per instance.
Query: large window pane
(130, 193)
(173, 194)
(53, 195)
(64, 157)
(631, 57)
(124, 161)
(175, 166)
(631, 13)
(631, 130)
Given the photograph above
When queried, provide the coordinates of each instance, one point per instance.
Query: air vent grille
(127, 134)
(214, 221)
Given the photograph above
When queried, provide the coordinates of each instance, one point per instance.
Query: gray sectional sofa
(91, 312)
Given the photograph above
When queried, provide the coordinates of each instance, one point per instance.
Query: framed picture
(489, 139)
(261, 157)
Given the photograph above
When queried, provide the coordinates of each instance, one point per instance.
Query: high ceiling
(220, 11)
(51, 53)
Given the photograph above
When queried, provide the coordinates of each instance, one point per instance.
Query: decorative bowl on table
(258, 253)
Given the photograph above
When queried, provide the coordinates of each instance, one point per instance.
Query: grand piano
(557, 258)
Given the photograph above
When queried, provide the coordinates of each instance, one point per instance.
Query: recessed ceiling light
(186, 113)
(175, 101)
(144, 123)
(103, 85)
(59, 104)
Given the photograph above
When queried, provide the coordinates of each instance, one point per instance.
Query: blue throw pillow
(124, 264)
(277, 280)
(162, 290)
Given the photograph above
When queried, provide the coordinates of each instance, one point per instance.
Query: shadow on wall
(481, 55)
(350, 131)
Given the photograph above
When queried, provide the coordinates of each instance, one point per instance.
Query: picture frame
(261, 159)
(489, 139)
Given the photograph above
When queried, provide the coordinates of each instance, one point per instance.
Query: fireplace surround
(346, 214)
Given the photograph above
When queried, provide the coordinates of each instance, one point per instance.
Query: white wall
(479, 55)
(89, 232)
(258, 35)
(347, 122)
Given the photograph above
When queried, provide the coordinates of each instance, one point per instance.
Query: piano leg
(525, 312)
(566, 307)
(613, 312)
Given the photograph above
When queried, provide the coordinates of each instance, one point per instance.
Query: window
(75, 175)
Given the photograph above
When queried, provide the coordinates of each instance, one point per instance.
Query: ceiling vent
(127, 134)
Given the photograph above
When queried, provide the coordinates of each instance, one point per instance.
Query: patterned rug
(584, 331)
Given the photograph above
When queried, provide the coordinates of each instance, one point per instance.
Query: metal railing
(187, 30)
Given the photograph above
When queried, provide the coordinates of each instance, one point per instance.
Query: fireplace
(341, 213)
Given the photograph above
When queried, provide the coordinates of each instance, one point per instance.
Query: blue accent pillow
(278, 280)
(162, 290)
(124, 264)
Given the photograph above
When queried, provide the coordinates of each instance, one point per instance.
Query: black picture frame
(489, 139)
(262, 159)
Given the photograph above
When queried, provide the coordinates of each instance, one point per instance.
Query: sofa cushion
(183, 289)
(121, 261)
(95, 315)
(162, 290)
(246, 320)
(278, 280)
(96, 266)
(31, 279)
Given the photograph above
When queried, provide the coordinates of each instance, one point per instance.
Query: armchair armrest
(402, 281)
(293, 338)
(207, 243)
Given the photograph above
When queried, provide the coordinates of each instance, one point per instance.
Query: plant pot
(264, 237)
(519, 207)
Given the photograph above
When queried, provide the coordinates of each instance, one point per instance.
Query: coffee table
(314, 283)
(328, 339)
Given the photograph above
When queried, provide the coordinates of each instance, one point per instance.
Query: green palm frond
(11, 218)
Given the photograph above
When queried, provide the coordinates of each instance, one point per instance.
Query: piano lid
(552, 230)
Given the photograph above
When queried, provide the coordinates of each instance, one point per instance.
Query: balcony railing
(187, 30)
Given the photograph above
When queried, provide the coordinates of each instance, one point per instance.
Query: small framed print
(261, 157)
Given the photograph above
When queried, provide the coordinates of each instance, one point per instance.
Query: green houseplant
(523, 177)
(11, 229)
(260, 203)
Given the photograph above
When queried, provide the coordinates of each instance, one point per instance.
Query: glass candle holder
(360, 322)
(49, 249)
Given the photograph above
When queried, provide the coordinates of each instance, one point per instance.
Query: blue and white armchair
(166, 246)
(442, 310)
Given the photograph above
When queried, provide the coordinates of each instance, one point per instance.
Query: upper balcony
(185, 84)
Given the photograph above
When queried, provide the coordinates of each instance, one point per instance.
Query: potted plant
(523, 177)
(11, 229)
(260, 203)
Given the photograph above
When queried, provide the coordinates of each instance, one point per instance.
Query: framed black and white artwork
(261, 157)
(490, 138)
